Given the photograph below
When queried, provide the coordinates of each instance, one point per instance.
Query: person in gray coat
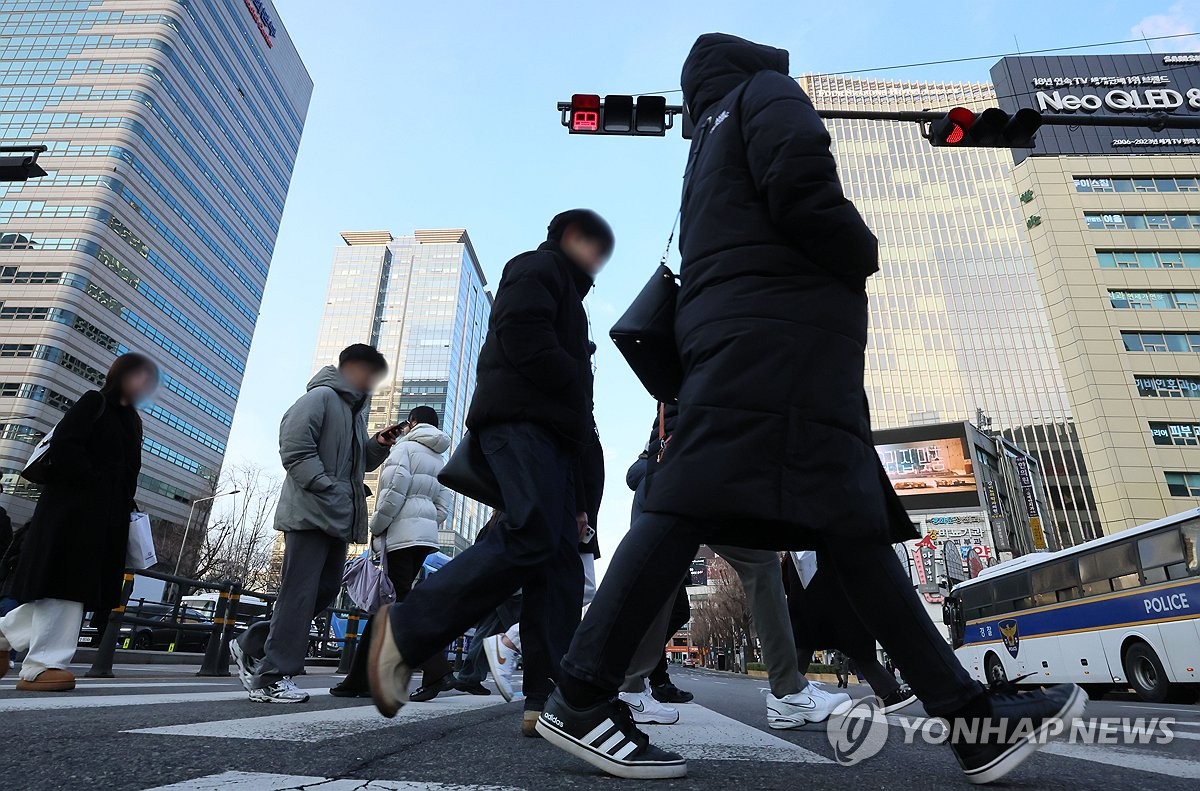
(326, 452)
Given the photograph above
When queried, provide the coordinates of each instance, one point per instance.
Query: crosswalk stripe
(81, 684)
(1138, 760)
(46, 703)
(704, 735)
(256, 781)
(324, 724)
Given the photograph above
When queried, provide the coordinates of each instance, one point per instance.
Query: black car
(157, 637)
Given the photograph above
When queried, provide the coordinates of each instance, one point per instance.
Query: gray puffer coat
(326, 452)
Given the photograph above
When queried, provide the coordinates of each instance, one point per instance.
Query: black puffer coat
(535, 365)
(773, 437)
(75, 545)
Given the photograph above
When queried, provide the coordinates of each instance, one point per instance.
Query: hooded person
(531, 415)
(772, 447)
(326, 452)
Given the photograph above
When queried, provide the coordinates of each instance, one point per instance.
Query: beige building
(1116, 241)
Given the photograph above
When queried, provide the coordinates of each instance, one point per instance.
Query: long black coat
(75, 545)
(535, 365)
(773, 437)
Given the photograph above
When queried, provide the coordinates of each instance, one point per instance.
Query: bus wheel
(993, 668)
(1145, 673)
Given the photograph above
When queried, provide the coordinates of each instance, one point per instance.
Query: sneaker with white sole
(387, 672)
(899, 698)
(605, 736)
(647, 710)
(246, 666)
(282, 691)
(502, 661)
(814, 703)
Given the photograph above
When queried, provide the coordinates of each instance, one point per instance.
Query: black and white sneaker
(902, 696)
(1020, 724)
(606, 737)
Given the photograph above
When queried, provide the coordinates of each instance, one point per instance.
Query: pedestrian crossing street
(701, 735)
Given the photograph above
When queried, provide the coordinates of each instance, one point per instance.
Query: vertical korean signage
(1031, 506)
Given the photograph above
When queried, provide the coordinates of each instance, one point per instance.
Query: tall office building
(1113, 214)
(420, 300)
(172, 130)
(959, 325)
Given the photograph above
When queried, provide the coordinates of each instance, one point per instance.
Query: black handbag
(469, 474)
(645, 336)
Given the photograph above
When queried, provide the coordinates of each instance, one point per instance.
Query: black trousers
(681, 613)
(534, 546)
(645, 572)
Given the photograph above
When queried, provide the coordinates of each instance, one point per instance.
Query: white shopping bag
(140, 554)
(806, 565)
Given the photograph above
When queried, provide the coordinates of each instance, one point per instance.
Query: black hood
(718, 63)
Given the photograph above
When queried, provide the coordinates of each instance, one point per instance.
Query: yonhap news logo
(859, 730)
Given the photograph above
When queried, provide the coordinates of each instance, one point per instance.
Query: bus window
(1098, 569)
(1056, 582)
(1013, 593)
(976, 600)
(1157, 553)
(1191, 547)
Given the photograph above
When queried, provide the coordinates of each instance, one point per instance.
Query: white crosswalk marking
(256, 781)
(102, 701)
(324, 724)
(1126, 758)
(704, 735)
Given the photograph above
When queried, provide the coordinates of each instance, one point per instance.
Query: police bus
(1122, 610)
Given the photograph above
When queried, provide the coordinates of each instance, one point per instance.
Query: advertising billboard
(1103, 85)
(930, 467)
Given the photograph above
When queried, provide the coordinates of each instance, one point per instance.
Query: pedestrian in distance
(410, 508)
(72, 557)
(326, 452)
(773, 445)
(532, 417)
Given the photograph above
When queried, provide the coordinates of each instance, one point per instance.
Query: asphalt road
(154, 727)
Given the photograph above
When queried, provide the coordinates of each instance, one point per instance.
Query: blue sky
(435, 115)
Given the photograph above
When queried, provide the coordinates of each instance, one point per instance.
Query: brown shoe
(3, 663)
(51, 680)
(529, 724)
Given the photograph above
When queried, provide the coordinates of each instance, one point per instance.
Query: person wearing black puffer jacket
(532, 417)
(773, 446)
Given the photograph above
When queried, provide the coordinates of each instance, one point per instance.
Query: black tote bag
(645, 336)
(469, 474)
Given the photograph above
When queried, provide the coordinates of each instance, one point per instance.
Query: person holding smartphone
(326, 451)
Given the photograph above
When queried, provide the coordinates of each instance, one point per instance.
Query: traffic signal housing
(992, 128)
(616, 114)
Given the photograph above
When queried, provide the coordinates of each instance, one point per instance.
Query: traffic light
(617, 114)
(993, 128)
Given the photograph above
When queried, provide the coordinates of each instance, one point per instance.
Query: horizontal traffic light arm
(1154, 121)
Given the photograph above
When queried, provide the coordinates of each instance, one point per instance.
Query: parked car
(159, 636)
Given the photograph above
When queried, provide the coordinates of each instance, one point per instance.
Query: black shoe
(428, 692)
(669, 693)
(472, 689)
(898, 699)
(988, 748)
(605, 736)
(349, 689)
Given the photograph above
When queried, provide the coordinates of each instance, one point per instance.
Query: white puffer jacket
(411, 504)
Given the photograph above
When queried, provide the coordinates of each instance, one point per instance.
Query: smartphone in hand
(389, 434)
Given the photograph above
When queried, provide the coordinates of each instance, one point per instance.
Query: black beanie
(589, 223)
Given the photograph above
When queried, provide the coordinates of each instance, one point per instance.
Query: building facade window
(1155, 184)
(1183, 484)
(1141, 221)
(1167, 387)
(1161, 341)
(1186, 434)
(1154, 300)
(1148, 259)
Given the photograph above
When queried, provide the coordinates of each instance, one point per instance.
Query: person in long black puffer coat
(773, 444)
(73, 556)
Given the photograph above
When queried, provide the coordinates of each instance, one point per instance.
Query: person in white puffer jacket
(410, 507)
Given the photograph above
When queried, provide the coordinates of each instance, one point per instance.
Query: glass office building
(959, 327)
(172, 130)
(422, 301)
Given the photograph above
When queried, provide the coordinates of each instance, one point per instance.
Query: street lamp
(188, 526)
(22, 167)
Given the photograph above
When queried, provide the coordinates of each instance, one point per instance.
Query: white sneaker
(812, 704)
(282, 691)
(245, 666)
(503, 662)
(648, 711)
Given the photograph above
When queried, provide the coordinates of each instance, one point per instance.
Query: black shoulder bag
(469, 474)
(645, 333)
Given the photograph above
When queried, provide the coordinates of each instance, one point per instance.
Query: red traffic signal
(992, 128)
(585, 112)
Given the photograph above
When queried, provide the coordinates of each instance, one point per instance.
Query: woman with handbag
(75, 546)
(409, 509)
